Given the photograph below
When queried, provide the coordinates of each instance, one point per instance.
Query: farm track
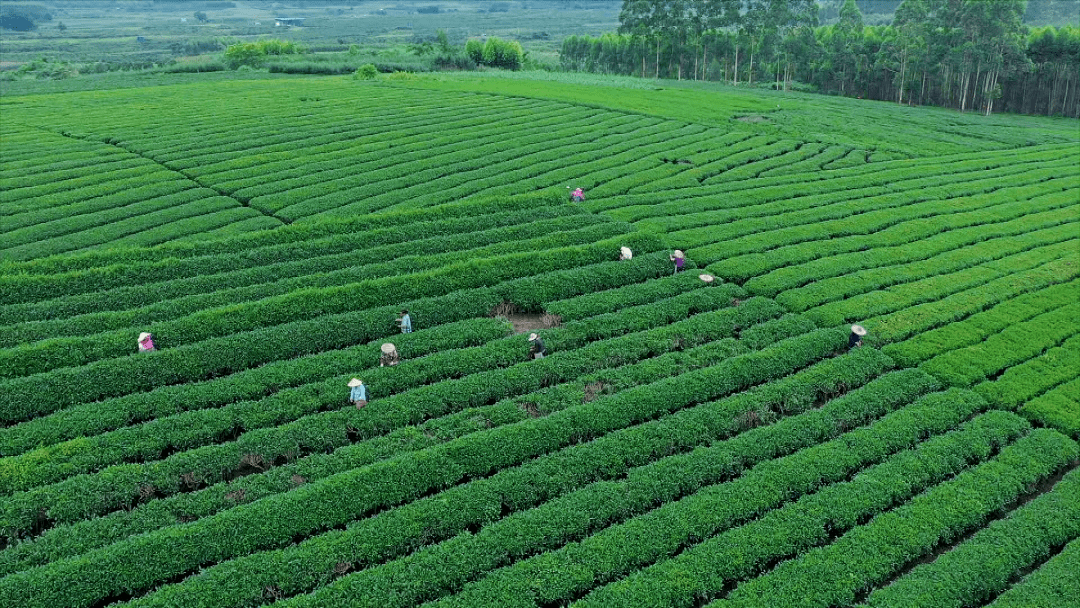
(683, 443)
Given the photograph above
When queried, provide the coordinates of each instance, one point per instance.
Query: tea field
(684, 443)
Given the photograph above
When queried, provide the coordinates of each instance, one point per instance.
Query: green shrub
(366, 72)
(985, 564)
(872, 554)
(505, 54)
(253, 54)
(663, 532)
(342, 498)
(1053, 584)
(741, 552)
(474, 49)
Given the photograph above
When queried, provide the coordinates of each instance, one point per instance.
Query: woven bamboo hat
(626, 251)
(532, 337)
(144, 335)
(387, 348)
(708, 278)
(679, 254)
(858, 330)
(355, 382)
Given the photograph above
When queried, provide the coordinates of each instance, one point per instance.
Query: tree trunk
(1068, 89)
(1061, 86)
(975, 86)
(670, 59)
(750, 75)
(903, 68)
(964, 78)
(776, 87)
(658, 57)
(946, 87)
(736, 72)
(1050, 96)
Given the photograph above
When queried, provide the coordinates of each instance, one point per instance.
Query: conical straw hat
(354, 383)
(626, 251)
(144, 335)
(387, 348)
(532, 337)
(708, 278)
(679, 253)
(858, 330)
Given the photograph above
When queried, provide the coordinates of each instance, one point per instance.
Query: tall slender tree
(639, 18)
(959, 53)
(844, 44)
(908, 44)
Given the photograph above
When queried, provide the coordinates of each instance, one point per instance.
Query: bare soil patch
(524, 323)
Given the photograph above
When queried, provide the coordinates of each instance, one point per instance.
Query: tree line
(973, 55)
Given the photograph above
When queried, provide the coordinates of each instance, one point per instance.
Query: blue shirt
(358, 393)
(406, 324)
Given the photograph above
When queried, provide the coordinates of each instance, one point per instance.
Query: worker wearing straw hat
(358, 393)
(625, 253)
(679, 258)
(857, 333)
(706, 278)
(577, 195)
(389, 357)
(146, 342)
(405, 321)
(536, 347)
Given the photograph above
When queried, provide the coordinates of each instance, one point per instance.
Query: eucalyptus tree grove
(973, 55)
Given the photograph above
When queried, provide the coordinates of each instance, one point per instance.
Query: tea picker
(536, 347)
(679, 258)
(857, 333)
(577, 195)
(146, 342)
(389, 357)
(358, 394)
(405, 321)
(625, 253)
(706, 278)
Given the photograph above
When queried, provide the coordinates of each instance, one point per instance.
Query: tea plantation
(684, 443)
